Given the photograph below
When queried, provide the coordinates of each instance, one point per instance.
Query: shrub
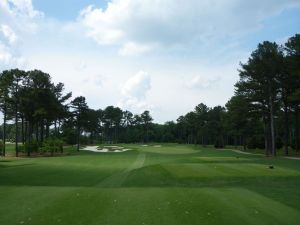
(294, 144)
(84, 140)
(21, 148)
(52, 145)
(256, 141)
(219, 143)
(31, 146)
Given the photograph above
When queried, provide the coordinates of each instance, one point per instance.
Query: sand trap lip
(105, 149)
(112, 146)
(289, 157)
(239, 151)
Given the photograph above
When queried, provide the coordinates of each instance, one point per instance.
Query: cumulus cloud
(17, 19)
(134, 49)
(19, 8)
(8, 33)
(131, 24)
(199, 82)
(134, 92)
(137, 85)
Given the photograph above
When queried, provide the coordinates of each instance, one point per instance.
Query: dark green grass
(172, 184)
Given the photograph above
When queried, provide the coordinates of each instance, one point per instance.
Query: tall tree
(15, 86)
(146, 120)
(201, 111)
(292, 48)
(80, 108)
(259, 82)
(5, 83)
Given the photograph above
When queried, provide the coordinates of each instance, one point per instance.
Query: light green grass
(171, 184)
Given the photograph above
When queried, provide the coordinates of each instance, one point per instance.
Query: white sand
(104, 149)
(288, 157)
(111, 146)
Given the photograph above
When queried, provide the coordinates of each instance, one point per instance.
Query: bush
(219, 143)
(53, 145)
(31, 146)
(21, 148)
(256, 141)
(294, 144)
(84, 140)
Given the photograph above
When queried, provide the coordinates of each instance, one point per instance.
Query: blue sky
(165, 56)
(65, 9)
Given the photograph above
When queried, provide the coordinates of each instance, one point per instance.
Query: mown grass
(171, 184)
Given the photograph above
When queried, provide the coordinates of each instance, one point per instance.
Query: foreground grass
(171, 184)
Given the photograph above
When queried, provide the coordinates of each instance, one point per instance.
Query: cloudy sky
(166, 56)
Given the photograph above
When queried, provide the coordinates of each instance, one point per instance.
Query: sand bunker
(105, 149)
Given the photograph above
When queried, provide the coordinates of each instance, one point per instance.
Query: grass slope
(172, 184)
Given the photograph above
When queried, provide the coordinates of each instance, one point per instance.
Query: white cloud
(134, 92)
(137, 85)
(200, 82)
(19, 8)
(8, 58)
(105, 33)
(131, 24)
(134, 49)
(17, 19)
(5, 55)
(81, 66)
(189, 37)
(8, 33)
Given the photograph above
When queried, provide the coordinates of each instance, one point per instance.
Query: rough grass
(172, 184)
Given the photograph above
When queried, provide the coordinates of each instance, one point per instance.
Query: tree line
(263, 113)
(38, 115)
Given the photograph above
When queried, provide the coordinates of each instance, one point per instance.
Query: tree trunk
(297, 127)
(22, 124)
(26, 132)
(42, 131)
(286, 129)
(16, 115)
(78, 134)
(147, 134)
(59, 125)
(47, 129)
(30, 131)
(37, 131)
(273, 150)
(266, 134)
(4, 129)
(55, 128)
(244, 142)
(16, 125)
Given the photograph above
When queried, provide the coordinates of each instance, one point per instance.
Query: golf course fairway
(164, 184)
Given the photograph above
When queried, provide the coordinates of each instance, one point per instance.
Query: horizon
(141, 55)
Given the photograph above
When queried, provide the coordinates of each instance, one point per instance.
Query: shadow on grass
(149, 176)
(5, 161)
(15, 165)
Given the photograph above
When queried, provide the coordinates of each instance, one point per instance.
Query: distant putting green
(164, 184)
